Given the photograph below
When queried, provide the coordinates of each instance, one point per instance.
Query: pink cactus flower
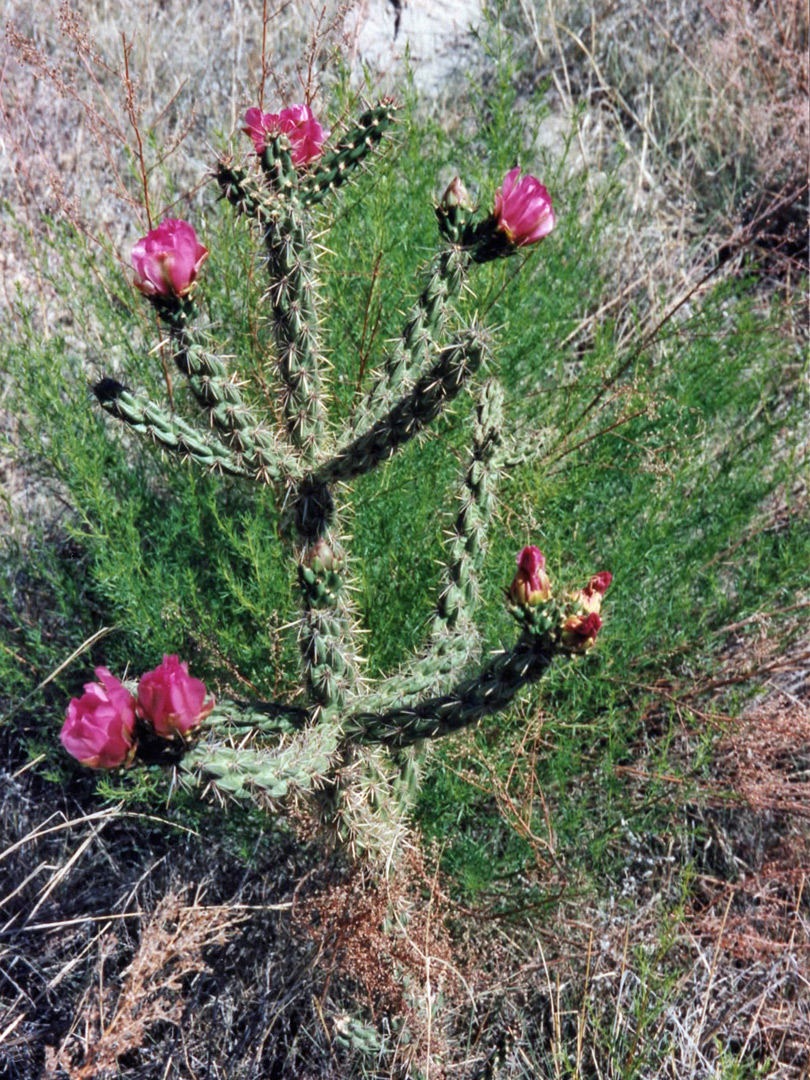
(590, 598)
(168, 259)
(523, 209)
(299, 125)
(531, 585)
(98, 727)
(171, 700)
(579, 631)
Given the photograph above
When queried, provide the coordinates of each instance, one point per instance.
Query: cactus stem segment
(292, 298)
(170, 432)
(336, 167)
(410, 416)
(423, 328)
(489, 692)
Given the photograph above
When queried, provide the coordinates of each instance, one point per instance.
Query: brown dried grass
(110, 1022)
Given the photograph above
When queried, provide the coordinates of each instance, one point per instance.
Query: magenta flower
(579, 631)
(523, 209)
(530, 585)
(299, 125)
(168, 259)
(98, 727)
(171, 700)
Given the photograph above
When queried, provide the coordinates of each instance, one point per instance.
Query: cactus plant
(353, 747)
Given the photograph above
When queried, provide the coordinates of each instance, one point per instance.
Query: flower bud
(321, 558)
(523, 209)
(98, 727)
(171, 700)
(531, 585)
(579, 631)
(590, 598)
(168, 259)
(456, 196)
(298, 123)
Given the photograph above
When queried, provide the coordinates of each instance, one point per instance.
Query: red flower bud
(591, 596)
(299, 125)
(530, 585)
(171, 700)
(600, 582)
(523, 209)
(98, 726)
(168, 259)
(579, 631)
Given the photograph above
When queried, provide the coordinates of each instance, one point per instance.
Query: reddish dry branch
(767, 760)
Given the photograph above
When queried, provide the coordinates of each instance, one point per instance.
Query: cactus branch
(487, 693)
(290, 264)
(422, 330)
(254, 446)
(453, 638)
(267, 775)
(468, 539)
(410, 416)
(170, 432)
(337, 166)
(244, 191)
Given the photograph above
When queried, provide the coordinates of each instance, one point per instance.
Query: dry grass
(111, 1023)
(707, 105)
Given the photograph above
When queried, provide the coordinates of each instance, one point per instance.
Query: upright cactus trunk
(290, 264)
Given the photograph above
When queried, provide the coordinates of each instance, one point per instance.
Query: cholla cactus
(351, 750)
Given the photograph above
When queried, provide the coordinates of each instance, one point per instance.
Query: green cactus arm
(336, 167)
(244, 191)
(291, 268)
(210, 381)
(327, 630)
(468, 537)
(236, 717)
(453, 637)
(218, 393)
(485, 694)
(292, 299)
(417, 344)
(170, 432)
(412, 414)
(439, 665)
(292, 292)
(268, 775)
(294, 322)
